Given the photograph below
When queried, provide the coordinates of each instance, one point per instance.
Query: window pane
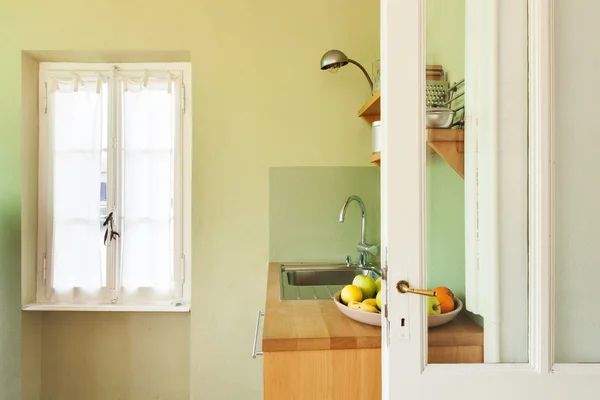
(148, 187)
(79, 132)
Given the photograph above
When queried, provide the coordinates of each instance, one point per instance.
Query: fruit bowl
(441, 319)
(357, 315)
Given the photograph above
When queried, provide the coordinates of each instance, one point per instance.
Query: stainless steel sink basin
(324, 278)
(316, 281)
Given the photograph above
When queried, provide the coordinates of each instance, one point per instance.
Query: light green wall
(445, 189)
(445, 227)
(305, 205)
(260, 101)
(446, 36)
(10, 215)
(10, 314)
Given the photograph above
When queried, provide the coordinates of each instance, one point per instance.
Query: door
(535, 134)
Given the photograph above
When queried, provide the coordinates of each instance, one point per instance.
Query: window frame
(183, 194)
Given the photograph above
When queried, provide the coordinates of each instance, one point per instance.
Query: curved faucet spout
(350, 199)
(363, 210)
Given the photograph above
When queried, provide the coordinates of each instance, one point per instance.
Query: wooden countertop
(319, 325)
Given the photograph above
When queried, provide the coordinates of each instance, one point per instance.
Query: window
(114, 185)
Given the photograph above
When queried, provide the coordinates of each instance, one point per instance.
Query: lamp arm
(364, 72)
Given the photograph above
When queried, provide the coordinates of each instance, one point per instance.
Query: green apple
(366, 284)
(378, 300)
(378, 283)
(433, 306)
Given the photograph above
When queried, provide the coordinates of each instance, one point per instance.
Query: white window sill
(184, 308)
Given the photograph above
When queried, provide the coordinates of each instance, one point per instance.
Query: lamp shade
(333, 59)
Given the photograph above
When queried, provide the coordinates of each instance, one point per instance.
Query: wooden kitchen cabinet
(312, 351)
(323, 374)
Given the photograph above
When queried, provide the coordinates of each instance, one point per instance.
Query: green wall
(10, 314)
(259, 101)
(445, 227)
(445, 188)
(10, 220)
(304, 207)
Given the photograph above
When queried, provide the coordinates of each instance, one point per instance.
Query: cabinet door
(323, 375)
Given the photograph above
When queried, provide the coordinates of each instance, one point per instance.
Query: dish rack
(441, 94)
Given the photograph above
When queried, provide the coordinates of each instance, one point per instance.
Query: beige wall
(31, 355)
(105, 356)
(260, 100)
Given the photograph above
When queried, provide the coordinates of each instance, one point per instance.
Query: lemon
(378, 300)
(371, 302)
(351, 293)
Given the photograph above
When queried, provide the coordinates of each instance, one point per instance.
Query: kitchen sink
(314, 281)
(326, 277)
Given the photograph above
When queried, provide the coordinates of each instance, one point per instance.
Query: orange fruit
(445, 290)
(446, 302)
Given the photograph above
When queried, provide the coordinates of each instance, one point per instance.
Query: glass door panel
(476, 230)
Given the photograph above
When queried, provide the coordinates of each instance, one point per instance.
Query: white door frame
(405, 370)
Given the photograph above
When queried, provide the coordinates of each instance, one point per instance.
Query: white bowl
(375, 319)
(441, 319)
(357, 315)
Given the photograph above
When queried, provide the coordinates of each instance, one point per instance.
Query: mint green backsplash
(305, 204)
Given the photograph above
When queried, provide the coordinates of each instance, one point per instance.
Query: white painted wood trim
(491, 328)
(482, 235)
(479, 370)
(541, 133)
(471, 157)
(182, 76)
(402, 173)
(108, 307)
(576, 369)
(538, 377)
(43, 276)
(186, 177)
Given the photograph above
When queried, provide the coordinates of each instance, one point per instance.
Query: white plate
(375, 319)
(441, 319)
(357, 315)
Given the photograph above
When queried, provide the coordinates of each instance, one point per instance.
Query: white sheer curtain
(78, 133)
(148, 187)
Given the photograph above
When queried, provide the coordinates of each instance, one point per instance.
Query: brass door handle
(403, 287)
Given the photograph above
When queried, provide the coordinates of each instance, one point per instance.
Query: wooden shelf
(371, 110)
(448, 143)
(376, 159)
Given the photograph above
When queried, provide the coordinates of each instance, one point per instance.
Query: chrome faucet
(364, 249)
